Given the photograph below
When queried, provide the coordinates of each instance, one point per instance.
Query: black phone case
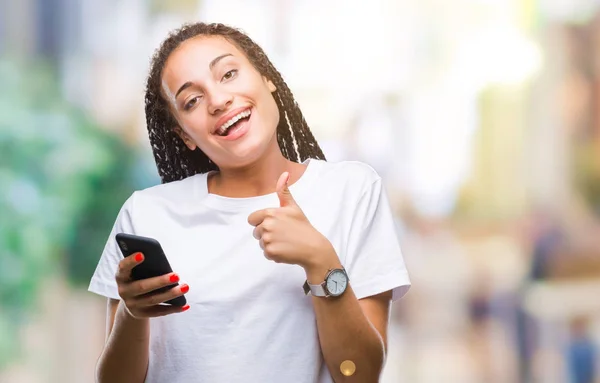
(155, 262)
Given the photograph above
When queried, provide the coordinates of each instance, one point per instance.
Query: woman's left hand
(286, 235)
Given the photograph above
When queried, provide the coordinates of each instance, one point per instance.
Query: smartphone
(155, 262)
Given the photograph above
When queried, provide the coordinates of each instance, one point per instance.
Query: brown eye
(191, 103)
(230, 74)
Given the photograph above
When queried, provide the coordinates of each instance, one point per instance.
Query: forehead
(194, 55)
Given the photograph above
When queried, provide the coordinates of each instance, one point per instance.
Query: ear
(187, 140)
(270, 85)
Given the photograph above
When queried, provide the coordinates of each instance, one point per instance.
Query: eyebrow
(211, 66)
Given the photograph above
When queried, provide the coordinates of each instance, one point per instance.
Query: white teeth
(232, 121)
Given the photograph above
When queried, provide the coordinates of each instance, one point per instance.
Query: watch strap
(315, 290)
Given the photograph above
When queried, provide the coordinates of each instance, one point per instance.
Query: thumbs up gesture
(286, 235)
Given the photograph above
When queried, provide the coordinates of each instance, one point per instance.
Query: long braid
(285, 135)
(174, 160)
(307, 145)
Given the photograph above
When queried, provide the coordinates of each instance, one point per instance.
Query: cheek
(272, 111)
(197, 126)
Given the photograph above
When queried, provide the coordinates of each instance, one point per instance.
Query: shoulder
(354, 174)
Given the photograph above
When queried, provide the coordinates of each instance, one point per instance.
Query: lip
(240, 131)
(227, 117)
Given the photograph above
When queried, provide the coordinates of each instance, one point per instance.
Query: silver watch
(334, 285)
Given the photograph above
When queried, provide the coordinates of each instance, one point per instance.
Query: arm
(351, 329)
(126, 352)
(348, 329)
(125, 355)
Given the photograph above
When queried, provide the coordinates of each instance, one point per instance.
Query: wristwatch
(334, 285)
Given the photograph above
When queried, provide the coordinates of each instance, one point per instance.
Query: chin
(247, 150)
(242, 156)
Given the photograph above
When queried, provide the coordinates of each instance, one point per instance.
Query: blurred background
(482, 116)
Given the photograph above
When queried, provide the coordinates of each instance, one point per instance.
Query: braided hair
(174, 160)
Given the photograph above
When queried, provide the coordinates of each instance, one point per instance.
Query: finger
(126, 265)
(156, 299)
(159, 311)
(258, 216)
(283, 192)
(258, 231)
(145, 286)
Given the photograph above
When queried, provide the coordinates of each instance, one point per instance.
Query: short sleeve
(103, 280)
(374, 260)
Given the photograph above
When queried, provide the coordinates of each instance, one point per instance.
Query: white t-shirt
(249, 319)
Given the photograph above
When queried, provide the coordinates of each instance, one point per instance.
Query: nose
(219, 100)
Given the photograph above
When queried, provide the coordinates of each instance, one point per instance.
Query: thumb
(285, 197)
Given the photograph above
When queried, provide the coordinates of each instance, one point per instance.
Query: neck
(255, 179)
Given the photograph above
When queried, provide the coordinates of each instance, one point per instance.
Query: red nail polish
(174, 278)
(185, 288)
(139, 257)
(186, 307)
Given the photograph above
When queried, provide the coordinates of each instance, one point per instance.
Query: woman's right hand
(138, 296)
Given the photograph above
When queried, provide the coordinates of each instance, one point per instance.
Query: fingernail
(185, 308)
(174, 278)
(185, 288)
(139, 257)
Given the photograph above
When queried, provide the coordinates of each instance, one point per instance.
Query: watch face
(337, 282)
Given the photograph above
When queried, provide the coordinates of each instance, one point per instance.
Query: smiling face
(222, 103)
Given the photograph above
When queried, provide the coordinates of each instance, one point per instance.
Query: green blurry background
(63, 179)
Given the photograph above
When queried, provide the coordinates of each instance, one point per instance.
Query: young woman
(248, 213)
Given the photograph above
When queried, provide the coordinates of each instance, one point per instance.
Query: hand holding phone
(145, 279)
